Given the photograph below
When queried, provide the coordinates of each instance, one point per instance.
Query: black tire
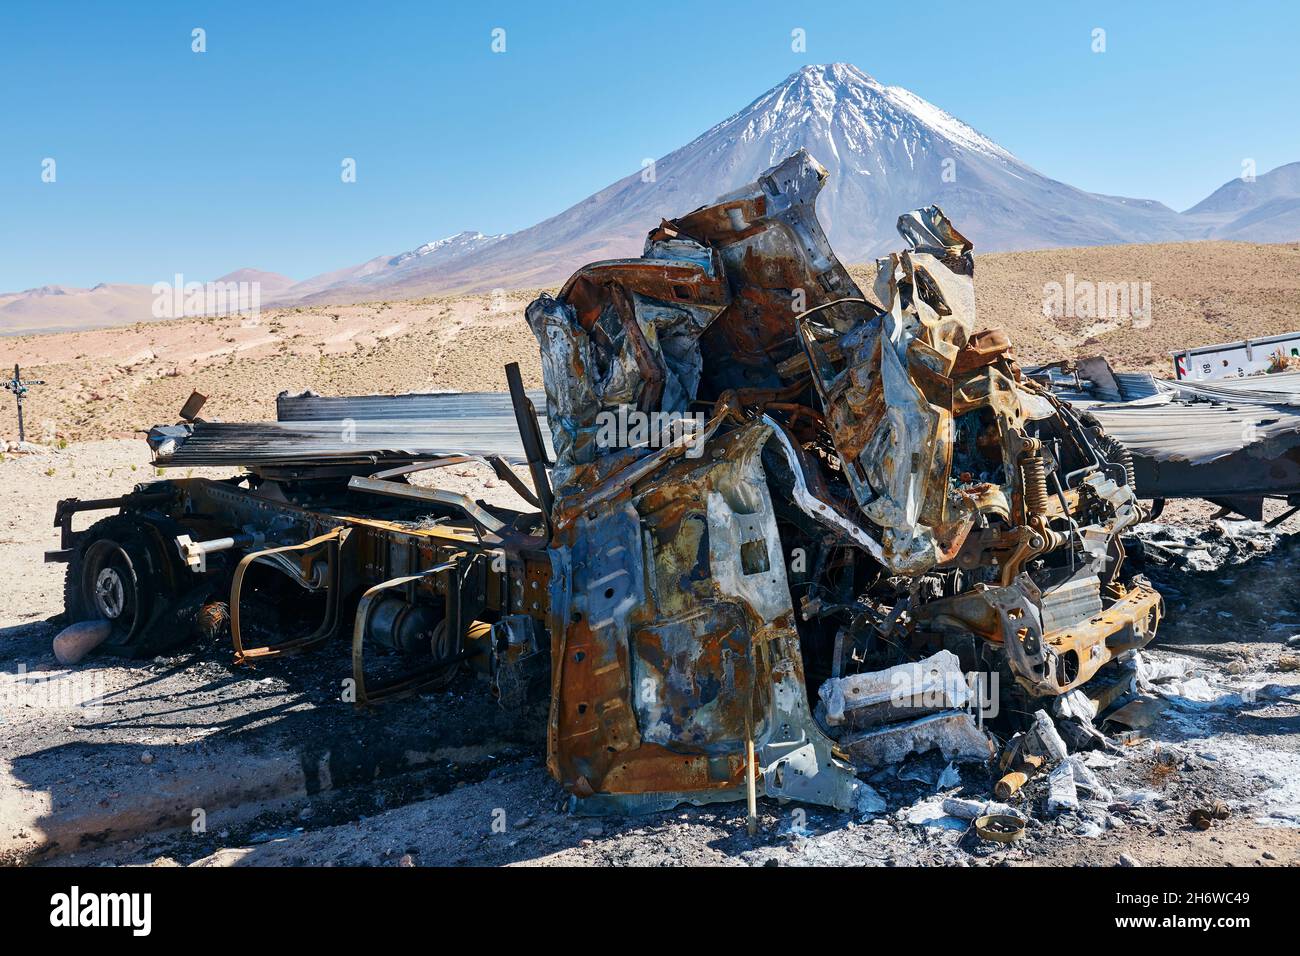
(121, 572)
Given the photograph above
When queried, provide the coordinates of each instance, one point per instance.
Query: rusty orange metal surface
(878, 431)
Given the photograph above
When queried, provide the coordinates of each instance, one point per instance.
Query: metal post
(531, 435)
(19, 388)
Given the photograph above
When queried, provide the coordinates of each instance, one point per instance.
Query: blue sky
(171, 161)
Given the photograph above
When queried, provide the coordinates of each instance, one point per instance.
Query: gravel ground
(1228, 733)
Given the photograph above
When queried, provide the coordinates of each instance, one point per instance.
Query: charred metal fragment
(679, 643)
(878, 482)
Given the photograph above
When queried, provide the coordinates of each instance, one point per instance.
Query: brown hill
(111, 381)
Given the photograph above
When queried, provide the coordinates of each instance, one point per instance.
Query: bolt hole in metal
(1069, 668)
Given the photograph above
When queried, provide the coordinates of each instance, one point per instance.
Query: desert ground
(115, 769)
(113, 382)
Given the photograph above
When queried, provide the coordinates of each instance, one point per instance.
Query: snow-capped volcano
(839, 106)
(887, 151)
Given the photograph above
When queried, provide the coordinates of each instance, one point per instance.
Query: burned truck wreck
(868, 479)
(764, 484)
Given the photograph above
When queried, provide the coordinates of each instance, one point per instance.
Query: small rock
(77, 640)
(406, 860)
(1269, 855)
(146, 757)
(1126, 860)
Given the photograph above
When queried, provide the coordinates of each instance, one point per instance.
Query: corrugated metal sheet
(429, 406)
(1083, 390)
(1196, 432)
(361, 429)
(1166, 420)
(1280, 389)
(1134, 386)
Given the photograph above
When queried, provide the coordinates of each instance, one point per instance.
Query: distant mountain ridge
(886, 149)
(383, 272)
(65, 308)
(1266, 209)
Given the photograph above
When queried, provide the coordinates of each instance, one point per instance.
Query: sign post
(19, 387)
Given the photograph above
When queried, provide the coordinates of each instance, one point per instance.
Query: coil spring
(1126, 459)
(1035, 476)
(1118, 453)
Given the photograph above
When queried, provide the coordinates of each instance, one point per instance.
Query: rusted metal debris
(768, 484)
(1234, 442)
(873, 480)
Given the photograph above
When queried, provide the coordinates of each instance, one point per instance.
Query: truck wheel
(119, 574)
